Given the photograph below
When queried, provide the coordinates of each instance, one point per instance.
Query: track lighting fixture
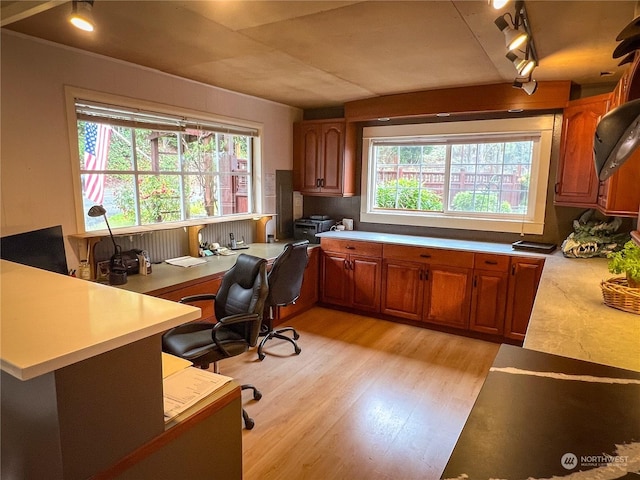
(524, 66)
(82, 15)
(514, 38)
(521, 49)
(528, 85)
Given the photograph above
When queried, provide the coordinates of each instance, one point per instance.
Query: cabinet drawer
(453, 258)
(492, 261)
(370, 249)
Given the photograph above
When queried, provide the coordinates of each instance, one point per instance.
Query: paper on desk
(185, 261)
(171, 364)
(188, 386)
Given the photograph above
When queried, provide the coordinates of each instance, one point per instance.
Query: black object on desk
(541, 416)
(534, 246)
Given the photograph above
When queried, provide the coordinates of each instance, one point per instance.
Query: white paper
(185, 261)
(188, 386)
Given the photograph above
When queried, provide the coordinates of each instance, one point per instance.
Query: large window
(481, 175)
(149, 168)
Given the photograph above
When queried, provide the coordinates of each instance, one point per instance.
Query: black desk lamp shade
(617, 137)
(117, 268)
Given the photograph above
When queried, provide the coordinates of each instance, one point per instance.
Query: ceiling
(313, 54)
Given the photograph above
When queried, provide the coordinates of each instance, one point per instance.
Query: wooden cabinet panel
(371, 249)
(449, 296)
(402, 289)
(489, 300)
(308, 291)
(332, 157)
(523, 285)
(619, 195)
(577, 182)
(454, 258)
(210, 286)
(335, 278)
(366, 273)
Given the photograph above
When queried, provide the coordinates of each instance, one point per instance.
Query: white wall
(35, 165)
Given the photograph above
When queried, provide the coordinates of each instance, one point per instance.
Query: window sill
(460, 223)
(142, 229)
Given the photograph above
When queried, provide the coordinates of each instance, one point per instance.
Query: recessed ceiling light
(516, 110)
(444, 114)
(606, 74)
(383, 119)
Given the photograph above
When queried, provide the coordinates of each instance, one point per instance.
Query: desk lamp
(117, 268)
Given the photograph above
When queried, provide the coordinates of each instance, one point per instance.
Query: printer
(306, 228)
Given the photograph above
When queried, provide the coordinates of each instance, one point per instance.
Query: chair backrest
(286, 274)
(244, 289)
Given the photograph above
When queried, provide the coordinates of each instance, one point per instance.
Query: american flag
(96, 149)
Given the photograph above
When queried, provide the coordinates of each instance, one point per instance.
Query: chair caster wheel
(298, 350)
(257, 396)
(296, 336)
(249, 424)
(261, 356)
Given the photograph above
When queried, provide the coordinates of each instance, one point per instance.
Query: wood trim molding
(499, 97)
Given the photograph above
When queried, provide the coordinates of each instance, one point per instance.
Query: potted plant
(627, 261)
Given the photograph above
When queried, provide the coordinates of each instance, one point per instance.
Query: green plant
(405, 194)
(627, 261)
(479, 202)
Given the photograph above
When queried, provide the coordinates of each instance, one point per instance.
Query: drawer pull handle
(490, 262)
(425, 255)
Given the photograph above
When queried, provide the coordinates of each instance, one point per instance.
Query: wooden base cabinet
(427, 285)
(351, 274)
(523, 285)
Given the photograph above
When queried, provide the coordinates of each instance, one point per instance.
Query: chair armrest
(237, 318)
(198, 298)
(229, 320)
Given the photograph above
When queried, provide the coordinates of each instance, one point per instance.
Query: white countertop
(49, 321)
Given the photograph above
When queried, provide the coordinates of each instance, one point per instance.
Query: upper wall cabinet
(319, 162)
(619, 195)
(576, 181)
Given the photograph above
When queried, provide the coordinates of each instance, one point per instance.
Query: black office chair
(239, 307)
(285, 280)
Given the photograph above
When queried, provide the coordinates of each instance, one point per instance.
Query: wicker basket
(617, 294)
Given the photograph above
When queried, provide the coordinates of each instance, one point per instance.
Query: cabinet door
(488, 301)
(619, 195)
(366, 273)
(307, 151)
(332, 154)
(335, 278)
(403, 289)
(523, 285)
(577, 183)
(448, 300)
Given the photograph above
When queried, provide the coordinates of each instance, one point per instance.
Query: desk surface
(50, 321)
(165, 276)
(545, 416)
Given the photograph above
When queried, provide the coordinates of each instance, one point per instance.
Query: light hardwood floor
(366, 399)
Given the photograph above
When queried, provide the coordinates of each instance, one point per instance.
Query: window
(480, 175)
(149, 168)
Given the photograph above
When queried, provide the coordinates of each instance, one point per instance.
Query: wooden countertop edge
(168, 435)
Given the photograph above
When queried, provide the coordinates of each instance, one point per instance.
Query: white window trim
(531, 224)
(73, 93)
